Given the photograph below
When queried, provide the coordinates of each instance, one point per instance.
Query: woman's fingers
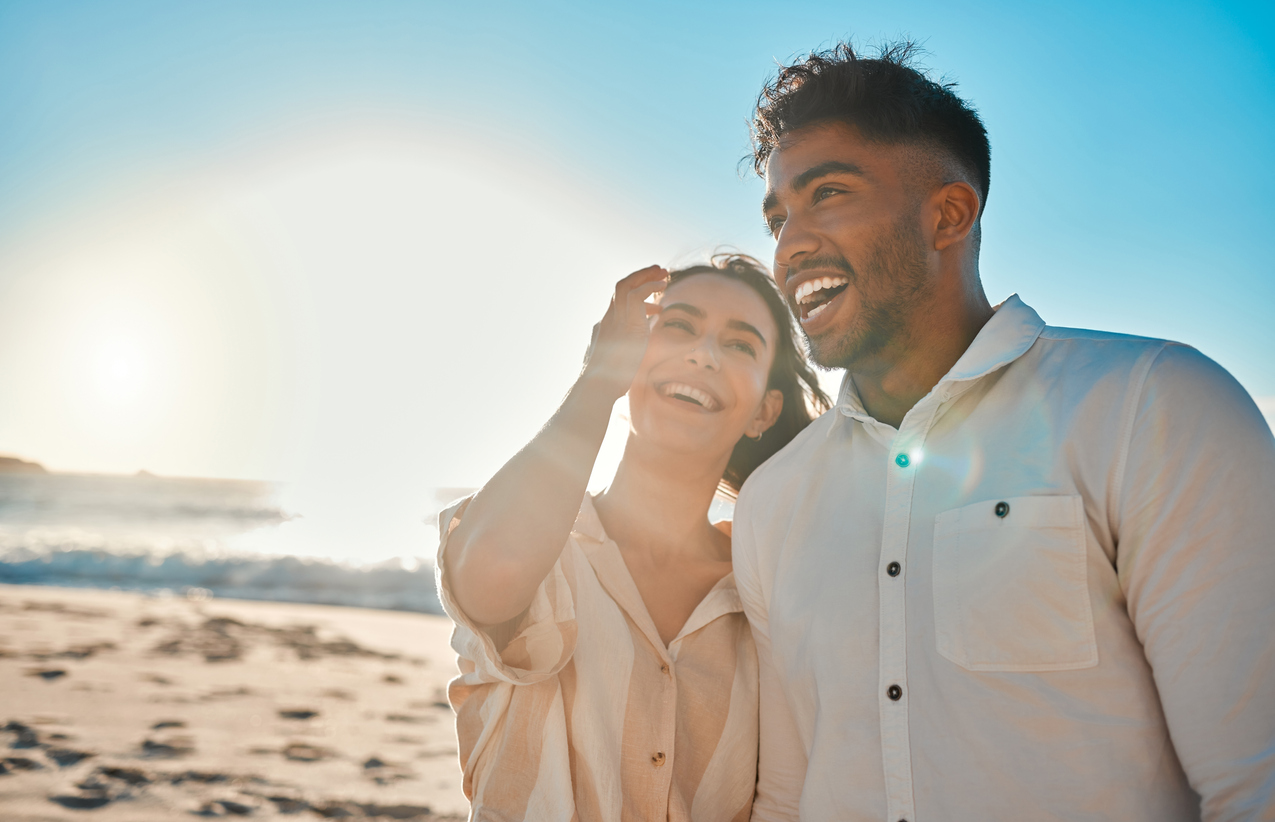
(652, 273)
(645, 290)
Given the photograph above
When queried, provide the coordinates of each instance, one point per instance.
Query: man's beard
(888, 286)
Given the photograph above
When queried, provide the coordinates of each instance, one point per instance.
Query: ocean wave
(400, 585)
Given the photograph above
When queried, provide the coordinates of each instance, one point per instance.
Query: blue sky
(1131, 180)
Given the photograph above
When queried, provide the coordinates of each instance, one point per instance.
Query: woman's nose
(704, 356)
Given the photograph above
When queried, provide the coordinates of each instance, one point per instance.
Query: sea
(197, 538)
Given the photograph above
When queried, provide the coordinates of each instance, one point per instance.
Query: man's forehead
(830, 147)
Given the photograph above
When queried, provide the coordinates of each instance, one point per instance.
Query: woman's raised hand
(619, 341)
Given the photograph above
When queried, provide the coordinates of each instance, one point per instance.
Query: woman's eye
(681, 325)
(743, 347)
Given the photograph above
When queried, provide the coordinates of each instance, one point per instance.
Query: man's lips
(690, 394)
(813, 295)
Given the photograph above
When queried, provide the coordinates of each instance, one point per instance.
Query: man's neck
(661, 512)
(895, 380)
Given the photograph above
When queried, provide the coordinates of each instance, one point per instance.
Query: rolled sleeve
(1196, 559)
(530, 648)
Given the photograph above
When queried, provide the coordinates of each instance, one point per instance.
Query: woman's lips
(687, 393)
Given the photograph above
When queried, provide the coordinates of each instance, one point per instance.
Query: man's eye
(773, 224)
(825, 193)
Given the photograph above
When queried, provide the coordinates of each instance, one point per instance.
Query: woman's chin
(700, 444)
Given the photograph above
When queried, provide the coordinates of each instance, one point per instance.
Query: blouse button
(893, 569)
(658, 759)
(1002, 509)
(663, 669)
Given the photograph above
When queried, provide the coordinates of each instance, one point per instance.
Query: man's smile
(814, 296)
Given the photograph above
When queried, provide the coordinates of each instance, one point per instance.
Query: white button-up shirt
(1050, 594)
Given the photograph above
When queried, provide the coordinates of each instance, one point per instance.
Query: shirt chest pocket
(1011, 591)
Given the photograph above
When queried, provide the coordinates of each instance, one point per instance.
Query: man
(1018, 572)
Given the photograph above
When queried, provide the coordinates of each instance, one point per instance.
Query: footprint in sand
(224, 807)
(21, 763)
(24, 735)
(47, 674)
(168, 723)
(66, 757)
(304, 752)
(298, 713)
(171, 749)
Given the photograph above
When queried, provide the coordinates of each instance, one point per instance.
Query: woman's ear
(771, 406)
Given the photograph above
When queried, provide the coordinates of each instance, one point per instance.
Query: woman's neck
(659, 505)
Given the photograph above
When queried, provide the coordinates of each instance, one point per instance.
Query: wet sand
(124, 707)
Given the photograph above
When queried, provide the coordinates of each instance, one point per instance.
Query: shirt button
(902, 460)
(893, 569)
(894, 692)
(658, 759)
(1002, 509)
(664, 669)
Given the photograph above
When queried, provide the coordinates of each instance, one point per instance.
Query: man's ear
(958, 206)
(771, 406)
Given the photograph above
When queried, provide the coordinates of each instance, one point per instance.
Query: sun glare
(120, 371)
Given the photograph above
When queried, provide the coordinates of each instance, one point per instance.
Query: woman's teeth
(689, 393)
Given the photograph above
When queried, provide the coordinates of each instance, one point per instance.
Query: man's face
(850, 254)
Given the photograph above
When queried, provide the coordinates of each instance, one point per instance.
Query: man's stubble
(891, 285)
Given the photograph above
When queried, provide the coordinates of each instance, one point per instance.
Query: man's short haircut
(885, 97)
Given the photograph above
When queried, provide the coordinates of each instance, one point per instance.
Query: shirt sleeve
(1196, 559)
(781, 763)
(530, 648)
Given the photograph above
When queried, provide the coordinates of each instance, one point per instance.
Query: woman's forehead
(715, 292)
(723, 298)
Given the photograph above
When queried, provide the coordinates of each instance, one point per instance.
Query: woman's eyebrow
(738, 325)
(743, 326)
(683, 307)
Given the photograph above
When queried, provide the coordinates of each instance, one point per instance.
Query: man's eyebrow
(811, 174)
(743, 326)
(808, 176)
(684, 307)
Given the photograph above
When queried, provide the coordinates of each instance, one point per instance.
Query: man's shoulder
(1154, 370)
(793, 457)
(1088, 335)
(1085, 354)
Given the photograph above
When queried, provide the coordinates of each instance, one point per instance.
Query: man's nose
(793, 243)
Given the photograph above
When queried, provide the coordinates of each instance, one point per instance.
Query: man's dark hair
(885, 97)
(790, 372)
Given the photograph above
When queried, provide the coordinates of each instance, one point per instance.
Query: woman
(607, 669)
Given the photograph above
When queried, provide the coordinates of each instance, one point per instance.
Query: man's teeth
(677, 389)
(814, 312)
(806, 290)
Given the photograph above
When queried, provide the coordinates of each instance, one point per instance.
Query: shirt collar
(1011, 331)
(604, 556)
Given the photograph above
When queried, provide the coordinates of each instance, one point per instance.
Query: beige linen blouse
(581, 713)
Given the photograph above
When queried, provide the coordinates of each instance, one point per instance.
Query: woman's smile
(687, 394)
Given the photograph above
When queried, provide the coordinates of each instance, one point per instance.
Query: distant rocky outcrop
(13, 465)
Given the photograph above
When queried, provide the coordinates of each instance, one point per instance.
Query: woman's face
(702, 383)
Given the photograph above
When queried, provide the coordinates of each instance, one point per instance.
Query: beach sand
(123, 706)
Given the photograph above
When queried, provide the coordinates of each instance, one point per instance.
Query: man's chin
(842, 350)
(829, 351)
